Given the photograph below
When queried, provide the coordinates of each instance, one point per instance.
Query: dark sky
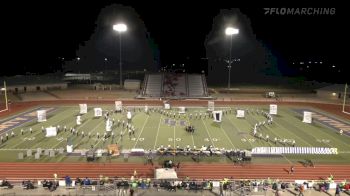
(36, 34)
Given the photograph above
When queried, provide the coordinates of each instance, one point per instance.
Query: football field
(161, 127)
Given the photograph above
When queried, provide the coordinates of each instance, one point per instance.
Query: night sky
(35, 35)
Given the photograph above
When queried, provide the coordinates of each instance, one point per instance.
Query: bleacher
(153, 85)
(196, 86)
(174, 85)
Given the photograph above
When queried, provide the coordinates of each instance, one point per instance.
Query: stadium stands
(196, 86)
(153, 86)
(175, 85)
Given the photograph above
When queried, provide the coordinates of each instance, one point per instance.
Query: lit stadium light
(78, 58)
(106, 59)
(120, 27)
(231, 31)
(321, 62)
(333, 66)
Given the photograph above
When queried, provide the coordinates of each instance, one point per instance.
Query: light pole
(230, 31)
(120, 28)
(6, 101)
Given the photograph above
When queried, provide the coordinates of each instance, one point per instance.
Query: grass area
(151, 132)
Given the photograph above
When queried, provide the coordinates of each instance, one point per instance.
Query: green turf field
(151, 132)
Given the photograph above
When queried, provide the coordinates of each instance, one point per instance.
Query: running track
(194, 171)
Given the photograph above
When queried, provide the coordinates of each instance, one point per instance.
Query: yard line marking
(326, 125)
(228, 137)
(93, 130)
(141, 130)
(237, 131)
(268, 128)
(82, 125)
(315, 137)
(275, 121)
(188, 121)
(155, 143)
(79, 136)
(206, 128)
(289, 132)
(39, 133)
(174, 137)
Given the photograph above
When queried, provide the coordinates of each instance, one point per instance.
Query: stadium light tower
(120, 28)
(6, 101)
(230, 31)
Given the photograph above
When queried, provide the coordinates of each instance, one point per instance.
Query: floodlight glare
(120, 27)
(231, 31)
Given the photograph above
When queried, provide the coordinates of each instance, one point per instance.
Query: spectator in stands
(27, 184)
(337, 190)
(301, 190)
(55, 176)
(6, 183)
(68, 181)
(48, 184)
(221, 189)
(86, 181)
(78, 181)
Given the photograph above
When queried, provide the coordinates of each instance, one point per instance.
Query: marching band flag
(240, 114)
(273, 109)
(78, 120)
(83, 108)
(217, 116)
(211, 105)
(182, 110)
(108, 125)
(118, 106)
(128, 115)
(167, 106)
(41, 115)
(98, 112)
(307, 117)
(51, 131)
